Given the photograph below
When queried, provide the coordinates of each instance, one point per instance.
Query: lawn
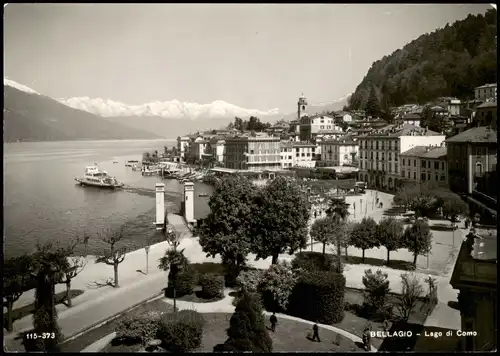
(356, 324)
(289, 336)
(29, 309)
(395, 264)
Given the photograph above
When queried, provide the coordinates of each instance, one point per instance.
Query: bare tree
(115, 255)
(76, 264)
(411, 291)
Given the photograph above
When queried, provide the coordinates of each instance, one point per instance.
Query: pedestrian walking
(381, 205)
(315, 333)
(274, 320)
(376, 200)
(366, 339)
(386, 325)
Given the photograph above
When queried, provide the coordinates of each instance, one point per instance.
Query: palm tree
(339, 211)
(175, 261)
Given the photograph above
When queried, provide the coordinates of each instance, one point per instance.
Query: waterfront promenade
(99, 303)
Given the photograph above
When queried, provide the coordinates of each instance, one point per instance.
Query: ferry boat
(97, 178)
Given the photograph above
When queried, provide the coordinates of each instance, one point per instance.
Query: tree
(47, 267)
(453, 208)
(250, 280)
(389, 234)
(175, 262)
(339, 210)
(322, 230)
(146, 157)
(247, 330)
(16, 280)
(411, 290)
(364, 235)
(418, 239)
(115, 255)
(405, 195)
(278, 281)
(373, 104)
(280, 219)
(226, 229)
(76, 264)
(376, 289)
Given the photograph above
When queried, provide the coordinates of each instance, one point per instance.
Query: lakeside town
(412, 178)
(275, 222)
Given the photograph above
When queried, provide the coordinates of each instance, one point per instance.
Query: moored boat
(97, 178)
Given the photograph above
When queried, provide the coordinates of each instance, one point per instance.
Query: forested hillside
(448, 62)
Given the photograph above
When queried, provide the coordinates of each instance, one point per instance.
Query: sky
(256, 56)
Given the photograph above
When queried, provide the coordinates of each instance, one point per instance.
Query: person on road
(315, 333)
(274, 320)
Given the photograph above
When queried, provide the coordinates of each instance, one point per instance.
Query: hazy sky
(253, 56)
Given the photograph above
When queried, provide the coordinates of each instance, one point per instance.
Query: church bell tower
(301, 107)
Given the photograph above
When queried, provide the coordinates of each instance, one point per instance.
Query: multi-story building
(472, 164)
(343, 117)
(311, 126)
(303, 154)
(196, 149)
(475, 276)
(425, 164)
(218, 146)
(487, 91)
(183, 146)
(286, 154)
(412, 119)
(379, 152)
(252, 153)
(486, 114)
(340, 152)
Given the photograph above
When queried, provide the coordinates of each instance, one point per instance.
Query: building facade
(183, 146)
(487, 91)
(340, 152)
(286, 155)
(486, 114)
(425, 164)
(311, 126)
(472, 163)
(253, 153)
(412, 119)
(379, 152)
(475, 276)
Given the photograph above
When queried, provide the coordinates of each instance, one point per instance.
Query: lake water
(42, 203)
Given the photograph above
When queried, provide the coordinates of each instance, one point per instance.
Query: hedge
(183, 286)
(319, 297)
(200, 269)
(212, 286)
(181, 331)
(316, 261)
(139, 328)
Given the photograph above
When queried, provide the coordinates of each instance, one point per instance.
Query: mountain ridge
(450, 61)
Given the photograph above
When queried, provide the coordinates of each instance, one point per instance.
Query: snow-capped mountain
(168, 109)
(175, 109)
(22, 87)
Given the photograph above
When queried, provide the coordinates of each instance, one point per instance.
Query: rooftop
(487, 86)
(401, 130)
(488, 104)
(481, 134)
(412, 116)
(438, 108)
(485, 248)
